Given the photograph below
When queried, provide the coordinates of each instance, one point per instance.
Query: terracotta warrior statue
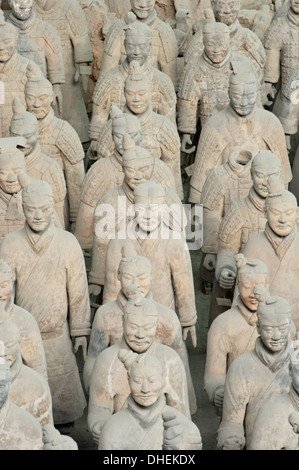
(160, 135)
(139, 166)
(48, 267)
(224, 185)
(69, 20)
(276, 425)
(242, 123)
(12, 163)
(246, 217)
(242, 40)
(19, 430)
(58, 140)
(30, 340)
(98, 23)
(109, 89)
(257, 375)
(147, 422)
(105, 174)
(120, 9)
(38, 165)
(204, 88)
(277, 247)
(39, 42)
(13, 72)
(109, 388)
(134, 272)
(152, 236)
(234, 331)
(164, 51)
(282, 50)
(29, 390)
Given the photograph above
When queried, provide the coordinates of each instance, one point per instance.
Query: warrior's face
(38, 101)
(38, 210)
(138, 95)
(6, 287)
(243, 97)
(226, 11)
(138, 171)
(149, 216)
(30, 134)
(10, 168)
(135, 273)
(142, 8)
(216, 46)
(264, 176)
(146, 383)
(124, 126)
(8, 42)
(21, 8)
(274, 330)
(137, 48)
(246, 283)
(281, 214)
(139, 331)
(295, 6)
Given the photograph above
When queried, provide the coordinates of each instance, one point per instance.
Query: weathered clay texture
(106, 400)
(109, 89)
(147, 422)
(47, 263)
(244, 125)
(257, 375)
(164, 50)
(69, 20)
(58, 140)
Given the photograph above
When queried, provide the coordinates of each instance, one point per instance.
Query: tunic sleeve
(77, 288)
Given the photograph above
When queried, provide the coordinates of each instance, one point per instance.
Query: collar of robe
(14, 205)
(34, 154)
(280, 244)
(256, 200)
(23, 25)
(147, 416)
(274, 361)
(44, 123)
(6, 67)
(293, 17)
(233, 28)
(16, 367)
(239, 169)
(39, 243)
(249, 315)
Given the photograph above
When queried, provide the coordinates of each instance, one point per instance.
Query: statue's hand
(57, 97)
(218, 397)
(234, 443)
(172, 430)
(209, 262)
(227, 278)
(270, 90)
(81, 341)
(94, 289)
(192, 330)
(92, 150)
(186, 140)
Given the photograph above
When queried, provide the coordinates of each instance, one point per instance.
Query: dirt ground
(205, 418)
